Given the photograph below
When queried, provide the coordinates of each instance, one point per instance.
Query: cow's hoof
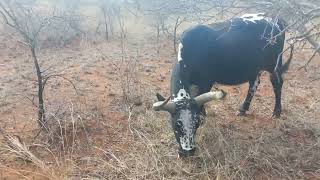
(276, 114)
(241, 113)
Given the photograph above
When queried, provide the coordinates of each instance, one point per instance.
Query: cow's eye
(181, 94)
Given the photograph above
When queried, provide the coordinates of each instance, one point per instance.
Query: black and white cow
(230, 53)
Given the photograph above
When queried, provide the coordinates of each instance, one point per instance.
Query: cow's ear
(160, 97)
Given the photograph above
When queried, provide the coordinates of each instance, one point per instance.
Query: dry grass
(46, 155)
(289, 151)
(224, 152)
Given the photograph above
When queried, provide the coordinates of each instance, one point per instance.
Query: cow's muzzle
(186, 153)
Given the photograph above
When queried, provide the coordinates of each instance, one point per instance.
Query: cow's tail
(286, 65)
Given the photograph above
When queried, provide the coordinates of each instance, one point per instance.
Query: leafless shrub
(67, 25)
(127, 72)
(126, 67)
(54, 153)
(30, 23)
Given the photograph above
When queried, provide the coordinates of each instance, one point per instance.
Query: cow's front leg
(253, 86)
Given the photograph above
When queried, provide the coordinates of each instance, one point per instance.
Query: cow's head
(185, 116)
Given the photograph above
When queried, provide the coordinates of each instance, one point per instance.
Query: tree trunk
(175, 40)
(105, 24)
(110, 24)
(175, 35)
(311, 40)
(41, 112)
(158, 38)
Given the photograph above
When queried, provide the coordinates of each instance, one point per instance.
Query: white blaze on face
(179, 52)
(185, 117)
(182, 94)
(187, 141)
(254, 17)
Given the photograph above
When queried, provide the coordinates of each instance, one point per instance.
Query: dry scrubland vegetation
(98, 87)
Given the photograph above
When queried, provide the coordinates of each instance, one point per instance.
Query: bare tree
(158, 23)
(174, 32)
(29, 25)
(163, 14)
(302, 18)
(110, 11)
(105, 21)
(68, 22)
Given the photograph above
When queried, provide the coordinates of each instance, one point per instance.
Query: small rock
(162, 78)
(149, 68)
(137, 101)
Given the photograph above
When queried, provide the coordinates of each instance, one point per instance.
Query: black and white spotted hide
(185, 122)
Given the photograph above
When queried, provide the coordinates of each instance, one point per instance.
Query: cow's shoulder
(205, 32)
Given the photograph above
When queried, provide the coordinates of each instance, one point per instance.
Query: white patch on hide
(256, 84)
(254, 17)
(179, 52)
(187, 141)
(182, 94)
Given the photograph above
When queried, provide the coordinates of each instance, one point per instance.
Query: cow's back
(231, 52)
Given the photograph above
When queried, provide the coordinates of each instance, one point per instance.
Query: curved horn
(209, 96)
(164, 106)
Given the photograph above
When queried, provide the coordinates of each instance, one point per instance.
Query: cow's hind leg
(253, 85)
(277, 81)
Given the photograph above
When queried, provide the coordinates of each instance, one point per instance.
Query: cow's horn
(166, 105)
(209, 96)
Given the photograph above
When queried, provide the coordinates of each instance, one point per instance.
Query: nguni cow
(229, 53)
